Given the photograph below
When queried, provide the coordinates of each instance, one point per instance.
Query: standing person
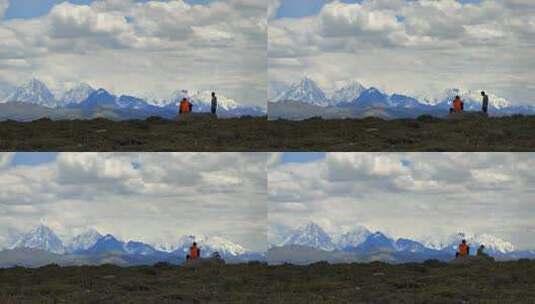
(485, 107)
(481, 251)
(214, 103)
(194, 252)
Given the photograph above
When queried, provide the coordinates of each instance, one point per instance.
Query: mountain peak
(347, 92)
(312, 235)
(76, 94)
(40, 237)
(85, 240)
(33, 91)
(354, 237)
(305, 90)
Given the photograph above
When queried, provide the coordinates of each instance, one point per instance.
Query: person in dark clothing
(485, 107)
(481, 251)
(214, 103)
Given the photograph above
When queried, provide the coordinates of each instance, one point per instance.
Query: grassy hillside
(430, 282)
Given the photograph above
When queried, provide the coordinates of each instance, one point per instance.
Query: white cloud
(161, 46)
(413, 195)
(411, 47)
(143, 196)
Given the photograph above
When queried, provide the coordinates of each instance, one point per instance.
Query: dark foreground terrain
(431, 282)
(423, 134)
(257, 134)
(153, 134)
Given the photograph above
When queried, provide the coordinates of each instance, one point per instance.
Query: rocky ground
(153, 134)
(423, 134)
(430, 282)
(257, 134)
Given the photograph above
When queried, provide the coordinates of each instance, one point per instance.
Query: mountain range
(33, 100)
(310, 243)
(305, 99)
(90, 247)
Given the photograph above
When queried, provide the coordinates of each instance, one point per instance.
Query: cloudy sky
(137, 46)
(414, 195)
(150, 197)
(411, 47)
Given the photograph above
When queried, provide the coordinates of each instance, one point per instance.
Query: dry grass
(511, 282)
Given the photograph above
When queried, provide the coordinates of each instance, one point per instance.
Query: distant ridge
(33, 100)
(311, 243)
(305, 99)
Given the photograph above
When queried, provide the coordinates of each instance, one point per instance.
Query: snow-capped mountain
(108, 244)
(275, 88)
(76, 94)
(84, 241)
(472, 99)
(493, 244)
(305, 99)
(99, 98)
(360, 242)
(33, 91)
(139, 248)
(353, 238)
(202, 102)
(307, 91)
(82, 102)
(223, 246)
(209, 245)
(90, 247)
(349, 91)
(372, 97)
(311, 235)
(411, 246)
(377, 242)
(42, 238)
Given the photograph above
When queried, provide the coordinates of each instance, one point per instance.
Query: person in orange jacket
(185, 106)
(458, 105)
(194, 252)
(464, 249)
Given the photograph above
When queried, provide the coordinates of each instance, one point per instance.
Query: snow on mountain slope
(208, 245)
(106, 245)
(223, 246)
(139, 248)
(310, 235)
(84, 241)
(349, 91)
(352, 238)
(377, 242)
(492, 243)
(204, 100)
(33, 91)
(76, 94)
(42, 238)
(307, 91)
(471, 98)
